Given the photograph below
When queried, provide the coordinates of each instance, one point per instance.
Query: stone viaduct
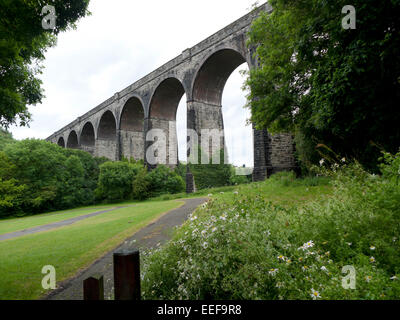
(118, 127)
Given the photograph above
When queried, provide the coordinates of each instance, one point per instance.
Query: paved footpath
(156, 233)
(52, 226)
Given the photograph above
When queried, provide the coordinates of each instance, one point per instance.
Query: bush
(46, 177)
(115, 180)
(253, 249)
(140, 189)
(163, 180)
(211, 175)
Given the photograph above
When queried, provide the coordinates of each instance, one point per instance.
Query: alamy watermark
(349, 281)
(49, 280)
(349, 21)
(49, 20)
(208, 147)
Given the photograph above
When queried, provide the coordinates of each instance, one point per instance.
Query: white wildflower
(315, 294)
(273, 272)
(307, 245)
(323, 268)
(372, 260)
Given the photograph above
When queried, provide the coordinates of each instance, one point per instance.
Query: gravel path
(52, 226)
(158, 232)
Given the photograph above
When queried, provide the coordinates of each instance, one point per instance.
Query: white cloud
(121, 42)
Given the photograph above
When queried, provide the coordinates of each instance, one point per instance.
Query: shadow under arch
(61, 142)
(106, 143)
(132, 129)
(210, 80)
(162, 118)
(72, 142)
(88, 138)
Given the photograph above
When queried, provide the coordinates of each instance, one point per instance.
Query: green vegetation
(18, 224)
(38, 176)
(69, 248)
(115, 180)
(23, 44)
(329, 86)
(287, 239)
(209, 175)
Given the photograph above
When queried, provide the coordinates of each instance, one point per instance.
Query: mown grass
(18, 224)
(69, 248)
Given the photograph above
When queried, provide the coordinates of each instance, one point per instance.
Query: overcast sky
(124, 40)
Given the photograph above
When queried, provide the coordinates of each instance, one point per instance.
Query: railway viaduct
(119, 126)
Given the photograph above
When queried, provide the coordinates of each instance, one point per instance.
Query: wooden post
(93, 288)
(127, 275)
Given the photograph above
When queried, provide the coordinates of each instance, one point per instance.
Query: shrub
(253, 249)
(140, 189)
(211, 175)
(115, 180)
(163, 180)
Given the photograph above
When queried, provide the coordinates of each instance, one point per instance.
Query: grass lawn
(18, 224)
(69, 248)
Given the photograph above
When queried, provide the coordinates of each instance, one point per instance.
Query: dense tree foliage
(38, 176)
(209, 175)
(163, 180)
(23, 43)
(331, 86)
(115, 180)
(5, 138)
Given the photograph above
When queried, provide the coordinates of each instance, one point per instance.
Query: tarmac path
(150, 236)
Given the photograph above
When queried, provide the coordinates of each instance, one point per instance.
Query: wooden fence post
(127, 275)
(93, 288)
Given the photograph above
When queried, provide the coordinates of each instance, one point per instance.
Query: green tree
(74, 184)
(11, 192)
(5, 138)
(336, 87)
(208, 175)
(115, 180)
(23, 43)
(40, 166)
(163, 180)
(140, 188)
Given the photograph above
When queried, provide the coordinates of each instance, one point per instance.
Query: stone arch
(61, 142)
(107, 129)
(132, 129)
(205, 109)
(162, 116)
(210, 80)
(88, 137)
(107, 142)
(165, 99)
(72, 142)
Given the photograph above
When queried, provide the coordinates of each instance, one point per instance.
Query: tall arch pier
(123, 125)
